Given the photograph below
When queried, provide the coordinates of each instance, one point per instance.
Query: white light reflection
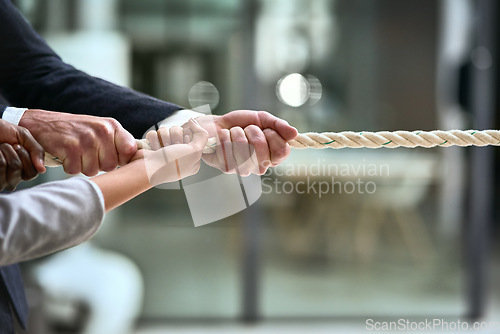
(293, 90)
(203, 93)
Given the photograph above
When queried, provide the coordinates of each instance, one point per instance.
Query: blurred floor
(352, 325)
(278, 328)
(262, 328)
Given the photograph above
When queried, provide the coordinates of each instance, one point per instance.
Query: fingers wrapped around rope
(352, 139)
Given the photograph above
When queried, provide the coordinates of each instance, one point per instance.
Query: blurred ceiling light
(202, 93)
(293, 90)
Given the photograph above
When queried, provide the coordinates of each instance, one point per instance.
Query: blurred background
(337, 237)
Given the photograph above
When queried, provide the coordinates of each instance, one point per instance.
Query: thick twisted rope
(380, 139)
(396, 139)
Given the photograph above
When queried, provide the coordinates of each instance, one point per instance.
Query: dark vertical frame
(483, 93)
(253, 215)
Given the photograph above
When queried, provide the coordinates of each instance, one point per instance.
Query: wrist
(29, 116)
(115, 191)
(136, 175)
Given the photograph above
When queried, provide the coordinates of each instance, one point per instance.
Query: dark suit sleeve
(2, 109)
(33, 76)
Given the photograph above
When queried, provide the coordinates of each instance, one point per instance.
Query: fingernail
(42, 163)
(195, 121)
(17, 147)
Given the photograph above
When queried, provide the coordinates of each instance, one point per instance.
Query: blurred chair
(398, 200)
(105, 283)
(352, 224)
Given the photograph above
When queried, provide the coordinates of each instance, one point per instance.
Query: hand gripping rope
(380, 139)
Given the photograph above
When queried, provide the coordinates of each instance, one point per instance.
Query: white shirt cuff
(179, 118)
(13, 115)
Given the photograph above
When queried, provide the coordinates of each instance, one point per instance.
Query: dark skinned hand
(21, 157)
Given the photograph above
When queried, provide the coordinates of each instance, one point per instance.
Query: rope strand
(395, 139)
(380, 139)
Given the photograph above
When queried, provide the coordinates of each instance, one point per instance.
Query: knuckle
(91, 172)
(255, 133)
(71, 169)
(262, 113)
(128, 148)
(259, 141)
(108, 164)
(223, 133)
(105, 130)
(88, 136)
(23, 131)
(252, 127)
(107, 168)
(15, 164)
(238, 135)
(176, 128)
(113, 123)
(72, 145)
(13, 185)
(270, 133)
(281, 151)
(162, 132)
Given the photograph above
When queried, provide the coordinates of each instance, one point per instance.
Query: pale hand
(175, 152)
(248, 141)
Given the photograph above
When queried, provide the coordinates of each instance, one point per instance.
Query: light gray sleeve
(48, 218)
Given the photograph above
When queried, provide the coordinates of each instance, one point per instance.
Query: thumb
(125, 145)
(285, 130)
(200, 135)
(34, 149)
